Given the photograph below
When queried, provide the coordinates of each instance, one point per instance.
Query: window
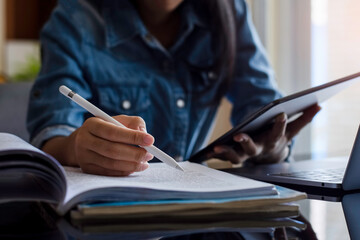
(311, 42)
(335, 53)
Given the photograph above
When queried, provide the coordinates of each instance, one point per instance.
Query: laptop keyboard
(326, 175)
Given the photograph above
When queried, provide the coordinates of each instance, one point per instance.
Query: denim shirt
(106, 54)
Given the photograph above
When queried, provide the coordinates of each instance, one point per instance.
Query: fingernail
(148, 157)
(219, 150)
(148, 139)
(143, 129)
(241, 139)
(143, 166)
(282, 117)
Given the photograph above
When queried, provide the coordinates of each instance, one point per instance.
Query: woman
(163, 65)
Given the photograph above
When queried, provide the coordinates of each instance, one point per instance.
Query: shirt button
(179, 158)
(180, 103)
(212, 75)
(126, 104)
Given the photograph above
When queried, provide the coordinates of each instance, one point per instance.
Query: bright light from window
(319, 13)
(319, 72)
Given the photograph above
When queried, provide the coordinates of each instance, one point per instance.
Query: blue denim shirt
(107, 55)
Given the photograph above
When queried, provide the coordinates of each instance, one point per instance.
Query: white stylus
(101, 114)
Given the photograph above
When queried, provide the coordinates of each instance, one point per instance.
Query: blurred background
(309, 42)
(20, 24)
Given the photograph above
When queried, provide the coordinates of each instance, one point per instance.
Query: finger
(271, 158)
(279, 128)
(98, 170)
(117, 150)
(111, 132)
(294, 127)
(228, 153)
(248, 145)
(132, 122)
(115, 164)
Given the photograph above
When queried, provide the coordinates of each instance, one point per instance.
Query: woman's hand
(102, 148)
(271, 146)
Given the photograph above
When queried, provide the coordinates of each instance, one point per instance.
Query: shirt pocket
(206, 85)
(128, 100)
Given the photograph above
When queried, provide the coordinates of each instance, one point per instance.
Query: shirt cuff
(50, 132)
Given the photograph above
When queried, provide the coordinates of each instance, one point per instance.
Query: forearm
(61, 149)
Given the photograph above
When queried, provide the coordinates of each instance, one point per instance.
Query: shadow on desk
(26, 221)
(36, 221)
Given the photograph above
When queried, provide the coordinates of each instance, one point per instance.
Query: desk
(326, 219)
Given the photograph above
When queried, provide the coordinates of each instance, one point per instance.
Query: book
(293, 105)
(29, 174)
(190, 215)
(251, 204)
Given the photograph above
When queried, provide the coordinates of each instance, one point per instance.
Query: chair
(14, 99)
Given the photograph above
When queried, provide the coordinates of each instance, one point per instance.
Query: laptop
(341, 174)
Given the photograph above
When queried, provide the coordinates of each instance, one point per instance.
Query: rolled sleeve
(50, 132)
(50, 114)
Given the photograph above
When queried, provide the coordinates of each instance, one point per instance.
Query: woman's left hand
(270, 146)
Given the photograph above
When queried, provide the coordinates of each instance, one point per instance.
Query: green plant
(28, 70)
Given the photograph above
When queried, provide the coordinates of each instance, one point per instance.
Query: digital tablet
(291, 105)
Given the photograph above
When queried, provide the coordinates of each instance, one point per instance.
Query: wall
(338, 56)
(2, 34)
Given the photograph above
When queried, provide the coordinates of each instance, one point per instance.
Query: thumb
(143, 128)
(132, 122)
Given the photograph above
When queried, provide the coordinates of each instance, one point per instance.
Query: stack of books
(157, 194)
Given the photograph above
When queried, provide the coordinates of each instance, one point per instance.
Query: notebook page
(196, 180)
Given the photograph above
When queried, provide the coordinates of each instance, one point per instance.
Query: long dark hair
(223, 27)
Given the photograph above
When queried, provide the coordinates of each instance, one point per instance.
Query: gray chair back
(14, 99)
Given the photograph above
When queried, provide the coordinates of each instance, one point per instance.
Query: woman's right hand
(102, 148)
